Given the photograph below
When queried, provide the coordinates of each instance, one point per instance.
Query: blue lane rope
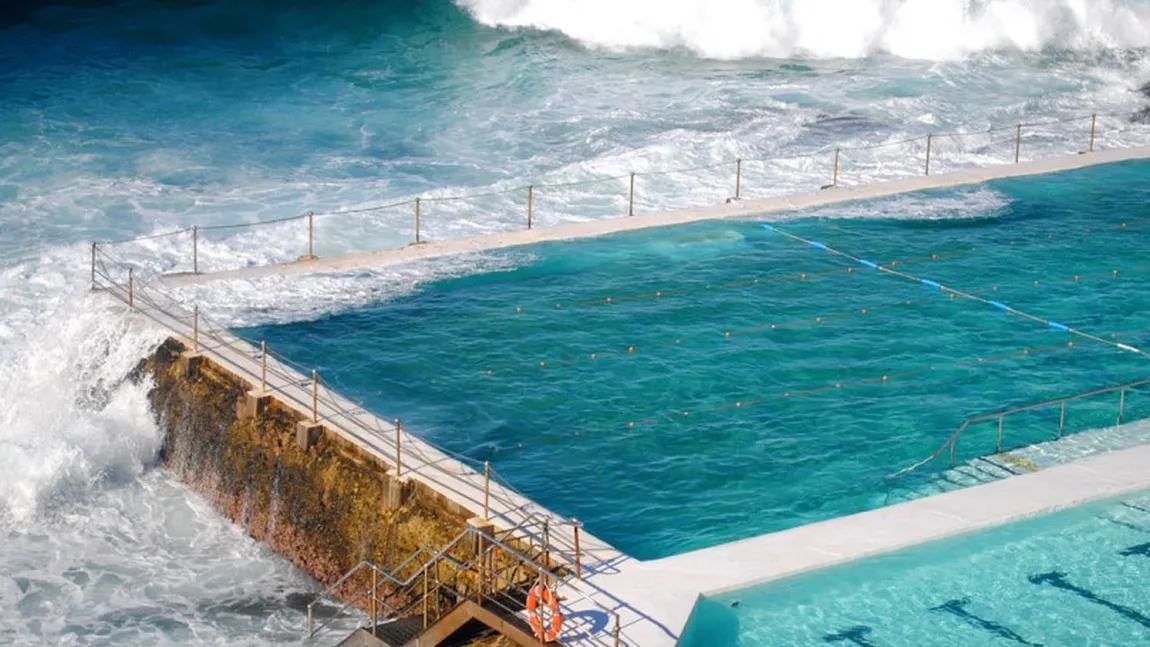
(1054, 325)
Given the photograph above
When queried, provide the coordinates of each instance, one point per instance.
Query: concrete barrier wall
(325, 508)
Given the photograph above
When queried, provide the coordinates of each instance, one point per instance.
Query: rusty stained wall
(324, 509)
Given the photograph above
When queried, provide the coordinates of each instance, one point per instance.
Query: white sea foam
(920, 29)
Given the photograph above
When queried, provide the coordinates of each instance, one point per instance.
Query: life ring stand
(540, 594)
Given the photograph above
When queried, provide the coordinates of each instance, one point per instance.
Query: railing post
(929, 138)
(1121, 404)
(1062, 420)
(314, 396)
(530, 203)
(374, 589)
(546, 544)
(196, 328)
(953, 447)
(835, 179)
(195, 250)
(1001, 421)
(417, 220)
(398, 458)
(631, 200)
(131, 290)
(578, 553)
(738, 179)
(486, 490)
(1018, 144)
(1093, 122)
(93, 266)
(263, 367)
(616, 629)
(310, 630)
(425, 598)
(310, 235)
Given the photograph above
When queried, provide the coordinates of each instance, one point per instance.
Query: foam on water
(140, 117)
(925, 29)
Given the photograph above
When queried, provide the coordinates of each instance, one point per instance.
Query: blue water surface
(1073, 578)
(634, 381)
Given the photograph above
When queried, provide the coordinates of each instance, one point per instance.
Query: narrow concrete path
(741, 209)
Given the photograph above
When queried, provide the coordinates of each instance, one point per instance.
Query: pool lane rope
(1053, 325)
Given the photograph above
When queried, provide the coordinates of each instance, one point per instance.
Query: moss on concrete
(324, 509)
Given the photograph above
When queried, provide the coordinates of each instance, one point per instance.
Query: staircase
(984, 469)
(475, 585)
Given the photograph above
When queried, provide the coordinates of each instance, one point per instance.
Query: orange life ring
(541, 594)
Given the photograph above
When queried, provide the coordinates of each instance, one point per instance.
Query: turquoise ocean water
(136, 117)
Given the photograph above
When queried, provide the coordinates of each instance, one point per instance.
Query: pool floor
(1077, 577)
(683, 387)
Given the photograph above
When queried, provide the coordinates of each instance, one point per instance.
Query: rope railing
(307, 394)
(839, 158)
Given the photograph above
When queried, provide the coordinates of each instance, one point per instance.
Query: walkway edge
(741, 209)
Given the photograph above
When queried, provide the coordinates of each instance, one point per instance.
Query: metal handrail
(531, 188)
(491, 545)
(138, 295)
(951, 442)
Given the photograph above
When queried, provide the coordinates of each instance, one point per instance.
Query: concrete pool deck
(736, 209)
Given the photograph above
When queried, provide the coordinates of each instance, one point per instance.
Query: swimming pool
(1077, 577)
(636, 382)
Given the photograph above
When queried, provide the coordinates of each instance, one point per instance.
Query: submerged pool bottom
(1077, 577)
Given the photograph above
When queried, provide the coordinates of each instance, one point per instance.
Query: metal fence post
(93, 266)
(1018, 144)
(1093, 122)
(578, 553)
(196, 328)
(310, 235)
(310, 630)
(835, 179)
(195, 250)
(928, 141)
(263, 367)
(530, 203)
(398, 456)
(1001, 421)
(374, 588)
(738, 179)
(314, 396)
(631, 200)
(486, 490)
(616, 629)
(1062, 420)
(417, 220)
(131, 290)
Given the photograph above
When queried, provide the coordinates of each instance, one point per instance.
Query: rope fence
(935, 152)
(303, 389)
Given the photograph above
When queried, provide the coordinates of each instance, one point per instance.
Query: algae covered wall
(325, 509)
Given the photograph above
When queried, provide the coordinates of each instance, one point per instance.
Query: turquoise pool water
(1073, 578)
(533, 369)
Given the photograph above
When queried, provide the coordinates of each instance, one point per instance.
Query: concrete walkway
(741, 209)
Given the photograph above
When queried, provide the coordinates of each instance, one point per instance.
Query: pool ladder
(951, 443)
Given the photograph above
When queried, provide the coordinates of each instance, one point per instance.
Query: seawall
(325, 508)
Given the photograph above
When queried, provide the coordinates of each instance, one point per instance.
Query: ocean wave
(916, 29)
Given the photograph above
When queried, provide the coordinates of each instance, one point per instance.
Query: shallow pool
(1073, 578)
(636, 382)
